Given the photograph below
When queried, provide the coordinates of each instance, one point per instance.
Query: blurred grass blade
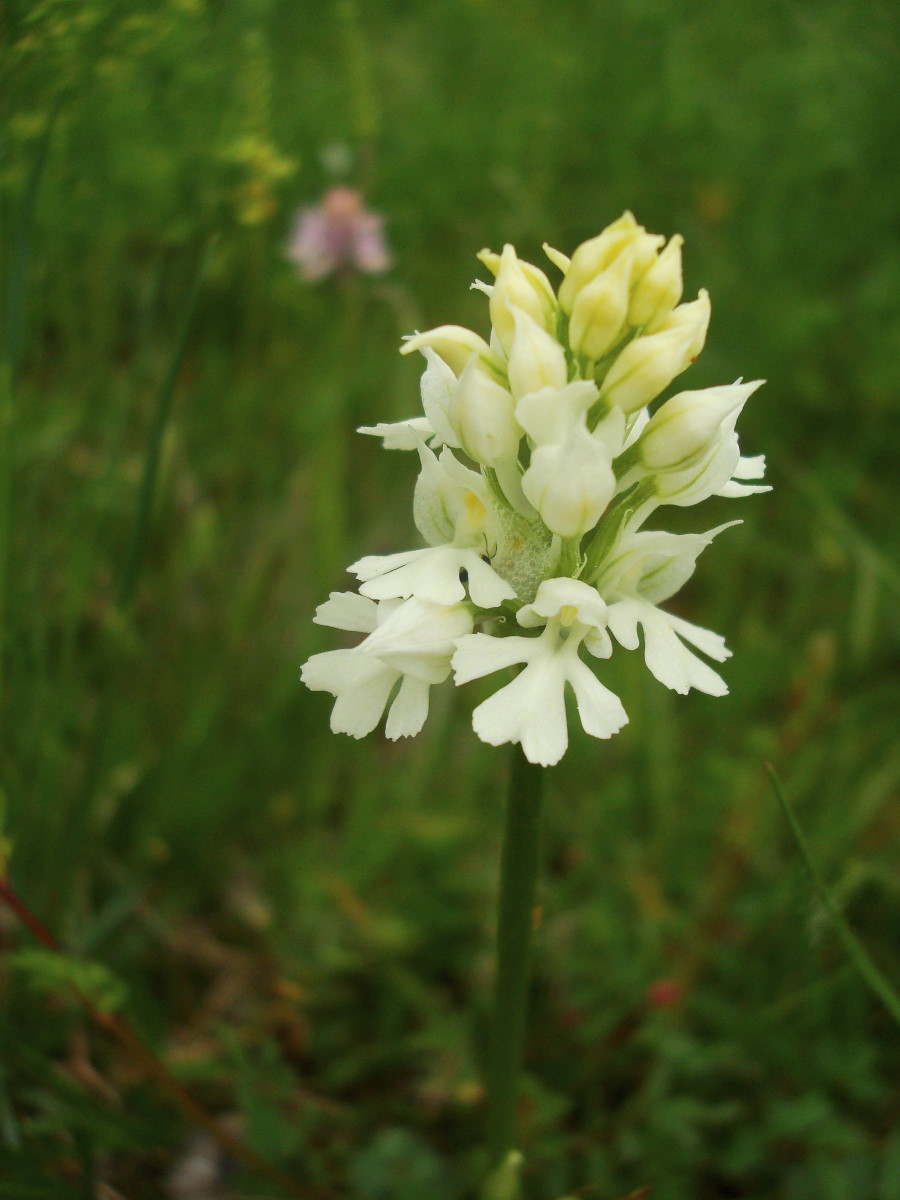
(15, 295)
(134, 558)
(17, 278)
(854, 947)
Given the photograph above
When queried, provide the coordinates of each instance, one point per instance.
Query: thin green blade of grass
(857, 953)
(141, 525)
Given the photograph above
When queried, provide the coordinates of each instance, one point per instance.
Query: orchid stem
(518, 881)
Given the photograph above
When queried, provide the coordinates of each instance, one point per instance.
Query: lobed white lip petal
(530, 710)
(667, 657)
(670, 661)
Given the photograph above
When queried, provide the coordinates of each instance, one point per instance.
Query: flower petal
(478, 654)
(410, 709)
(347, 610)
(600, 710)
(530, 710)
(361, 686)
(670, 661)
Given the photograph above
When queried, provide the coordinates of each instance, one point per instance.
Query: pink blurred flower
(338, 233)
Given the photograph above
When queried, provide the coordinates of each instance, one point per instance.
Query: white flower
(666, 656)
(531, 710)
(452, 512)
(641, 571)
(409, 642)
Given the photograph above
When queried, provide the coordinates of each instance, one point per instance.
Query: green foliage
(303, 924)
(47, 971)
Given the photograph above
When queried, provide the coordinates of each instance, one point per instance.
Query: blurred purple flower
(338, 233)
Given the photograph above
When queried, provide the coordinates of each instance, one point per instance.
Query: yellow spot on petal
(475, 510)
(568, 615)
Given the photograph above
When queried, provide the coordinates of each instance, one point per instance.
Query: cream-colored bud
(690, 425)
(600, 308)
(659, 289)
(571, 484)
(481, 414)
(693, 316)
(536, 359)
(598, 253)
(521, 285)
(455, 344)
(645, 367)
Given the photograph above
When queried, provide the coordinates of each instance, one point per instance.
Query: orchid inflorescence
(535, 546)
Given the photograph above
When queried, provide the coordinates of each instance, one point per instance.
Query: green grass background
(302, 924)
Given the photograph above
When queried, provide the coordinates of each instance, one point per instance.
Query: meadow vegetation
(298, 925)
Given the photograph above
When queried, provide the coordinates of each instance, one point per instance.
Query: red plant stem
(120, 1029)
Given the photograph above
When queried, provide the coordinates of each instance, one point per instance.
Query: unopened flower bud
(693, 316)
(455, 344)
(600, 308)
(690, 425)
(659, 289)
(570, 484)
(598, 253)
(536, 359)
(481, 413)
(645, 367)
(521, 285)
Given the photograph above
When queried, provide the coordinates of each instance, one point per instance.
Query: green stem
(518, 878)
